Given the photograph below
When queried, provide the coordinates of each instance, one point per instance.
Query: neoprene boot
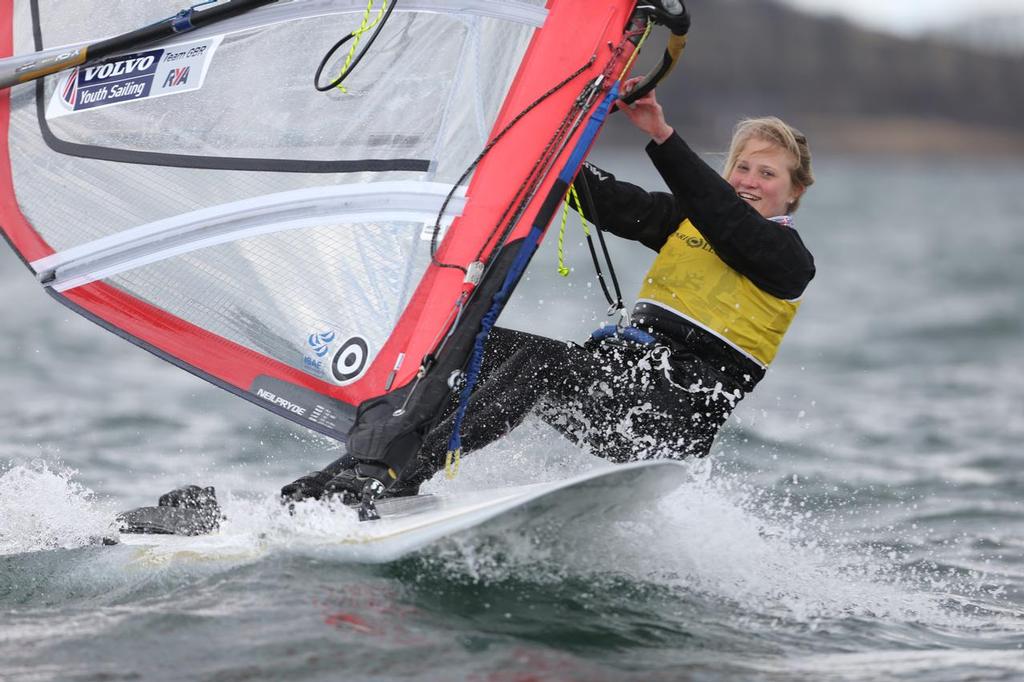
(312, 485)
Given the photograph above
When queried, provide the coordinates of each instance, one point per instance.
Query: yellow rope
(562, 269)
(636, 52)
(452, 460)
(358, 33)
(571, 194)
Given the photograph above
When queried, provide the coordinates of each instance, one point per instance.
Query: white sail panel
(275, 280)
(234, 228)
(266, 295)
(445, 76)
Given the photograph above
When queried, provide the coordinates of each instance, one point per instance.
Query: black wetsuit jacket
(770, 255)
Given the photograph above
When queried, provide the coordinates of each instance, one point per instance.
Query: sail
(201, 199)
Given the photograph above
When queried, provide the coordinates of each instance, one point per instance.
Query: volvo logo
(123, 67)
(350, 361)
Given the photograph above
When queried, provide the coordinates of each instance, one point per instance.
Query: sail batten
(415, 203)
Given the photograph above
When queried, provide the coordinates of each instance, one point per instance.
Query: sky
(910, 16)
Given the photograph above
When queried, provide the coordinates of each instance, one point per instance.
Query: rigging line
(600, 274)
(364, 26)
(639, 46)
(573, 197)
(568, 126)
(582, 104)
(531, 177)
(588, 199)
(553, 150)
(525, 252)
(570, 123)
(350, 63)
(520, 199)
(564, 271)
(486, 150)
(540, 169)
(614, 304)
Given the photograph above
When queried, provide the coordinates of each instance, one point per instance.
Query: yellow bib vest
(688, 278)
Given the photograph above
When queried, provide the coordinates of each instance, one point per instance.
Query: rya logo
(176, 77)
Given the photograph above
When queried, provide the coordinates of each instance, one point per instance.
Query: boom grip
(669, 59)
(30, 67)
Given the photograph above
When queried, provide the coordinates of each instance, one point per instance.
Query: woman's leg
(519, 370)
(628, 402)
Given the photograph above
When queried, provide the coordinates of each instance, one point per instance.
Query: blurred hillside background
(951, 83)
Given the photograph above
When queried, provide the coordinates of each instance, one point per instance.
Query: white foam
(41, 508)
(715, 535)
(723, 539)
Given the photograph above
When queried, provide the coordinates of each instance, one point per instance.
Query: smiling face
(762, 176)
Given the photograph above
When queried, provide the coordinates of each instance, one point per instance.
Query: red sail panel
(25, 240)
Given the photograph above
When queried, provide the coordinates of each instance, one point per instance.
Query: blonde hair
(774, 131)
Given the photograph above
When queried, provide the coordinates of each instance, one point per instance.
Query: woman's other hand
(646, 114)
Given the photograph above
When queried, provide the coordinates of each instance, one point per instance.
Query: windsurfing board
(410, 524)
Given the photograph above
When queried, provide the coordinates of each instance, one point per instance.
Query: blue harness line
(630, 333)
(522, 259)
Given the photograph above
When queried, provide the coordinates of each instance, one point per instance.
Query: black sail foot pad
(189, 510)
(169, 521)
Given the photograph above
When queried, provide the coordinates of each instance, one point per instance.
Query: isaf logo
(320, 342)
(345, 363)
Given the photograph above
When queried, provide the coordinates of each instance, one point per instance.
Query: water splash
(716, 537)
(42, 508)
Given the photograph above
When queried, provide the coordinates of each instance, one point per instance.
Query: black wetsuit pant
(621, 400)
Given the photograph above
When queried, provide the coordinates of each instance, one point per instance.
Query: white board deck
(412, 523)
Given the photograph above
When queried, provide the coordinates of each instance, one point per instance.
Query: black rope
(351, 67)
(615, 304)
(618, 304)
